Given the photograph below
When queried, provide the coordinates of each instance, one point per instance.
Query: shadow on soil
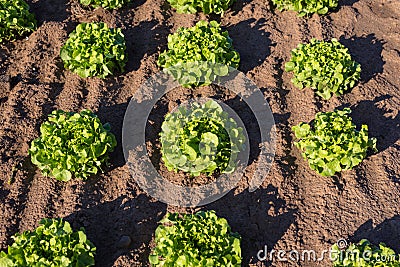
(49, 10)
(347, 2)
(250, 122)
(387, 232)
(260, 217)
(107, 222)
(144, 39)
(153, 128)
(132, 5)
(114, 115)
(252, 42)
(366, 50)
(238, 6)
(24, 182)
(3, 191)
(381, 126)
(393, 175)
(287, 162)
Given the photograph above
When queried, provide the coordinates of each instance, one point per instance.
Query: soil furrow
(13, 203)
(294, 209)
(21, 172)
(39, 202)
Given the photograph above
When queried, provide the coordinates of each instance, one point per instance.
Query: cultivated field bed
(294, 209)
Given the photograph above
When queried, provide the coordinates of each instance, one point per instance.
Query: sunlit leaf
(326, 67)
(53, 243)
(72, 145)
(195, 240)
(196, 56)
(94, 50)
(331, 143)
(15, 20)
(200, 139)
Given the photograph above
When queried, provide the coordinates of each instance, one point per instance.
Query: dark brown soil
(294, 209)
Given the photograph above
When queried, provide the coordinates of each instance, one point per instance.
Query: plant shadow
(50, 10)
(23, 181)
(366, 50)
(287, 162)
(114, 115)
(153, 129)
(107, 222)
(387, 232)
(250, 122)
(384, 128)
(393, 175)
(144, 40)
(347, 2)
(3, 191)
(132, 5)
(237, 6)
(251, 42)
(260, 217)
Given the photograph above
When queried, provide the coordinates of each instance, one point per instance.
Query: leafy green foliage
(206, 6)
(201, 239)
(201, 139)
(365, 254)
(326, 67)
(306, 7)
(94, 50)
(72, 144)
(332, 143)
(53, 243)
(197, 55)
(15, 19)
(108, 4)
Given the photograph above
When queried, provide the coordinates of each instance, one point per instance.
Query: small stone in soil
(124, 242)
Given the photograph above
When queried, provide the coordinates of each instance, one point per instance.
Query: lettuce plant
(72, 144)
(201, 139)
(94, 50)
(365, 254)
(107, 4)
(206, 6)
(15, 20)
(53, 243)
(332, 143)
(195, 240)
(326, 67)
(306, 7)
(197, 55)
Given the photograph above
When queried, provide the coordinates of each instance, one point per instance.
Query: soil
(295, 209)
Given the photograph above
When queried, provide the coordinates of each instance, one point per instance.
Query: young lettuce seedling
(72, 145)
(205, 6)
(306, 7)
(15, 20)
(364, 254)
(201, 139)
(94, 50)
(53, 243)
(196, 56)
(107, 4)
(195, 240)
(326, 67)
(332, 143)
